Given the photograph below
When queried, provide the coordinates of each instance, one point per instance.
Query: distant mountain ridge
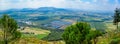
(50, 10)
(44, 16)
(42, 9)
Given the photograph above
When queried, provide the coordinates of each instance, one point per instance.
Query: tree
(94, 34)
(9, 27)
(116, 17)
(77, 34)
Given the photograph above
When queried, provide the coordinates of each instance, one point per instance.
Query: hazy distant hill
(45, 16)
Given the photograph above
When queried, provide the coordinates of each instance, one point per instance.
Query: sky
(102, 5)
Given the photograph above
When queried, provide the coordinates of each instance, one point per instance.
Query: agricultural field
(98, 26)
(38, 37)
(34, 32)
(46, 25)
(110, 26)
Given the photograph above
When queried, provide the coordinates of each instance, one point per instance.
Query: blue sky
(105, 5)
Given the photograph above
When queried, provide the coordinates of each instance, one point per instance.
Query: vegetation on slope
(9, 28)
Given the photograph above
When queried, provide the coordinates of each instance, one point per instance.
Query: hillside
(47, 24)
(50, 17)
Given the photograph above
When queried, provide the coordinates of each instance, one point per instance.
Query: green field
(39, 36)
(98, 26)
(39, 33)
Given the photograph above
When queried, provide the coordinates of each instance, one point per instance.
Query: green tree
(116, 17)
(9, 27)
(77, 34)
(94, 34)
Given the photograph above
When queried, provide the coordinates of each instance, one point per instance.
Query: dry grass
(34, 41)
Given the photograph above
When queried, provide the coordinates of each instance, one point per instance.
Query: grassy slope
(1, 36)
(106, 38)
(35, 39)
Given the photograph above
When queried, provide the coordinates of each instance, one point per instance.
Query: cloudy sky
(106, 5)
